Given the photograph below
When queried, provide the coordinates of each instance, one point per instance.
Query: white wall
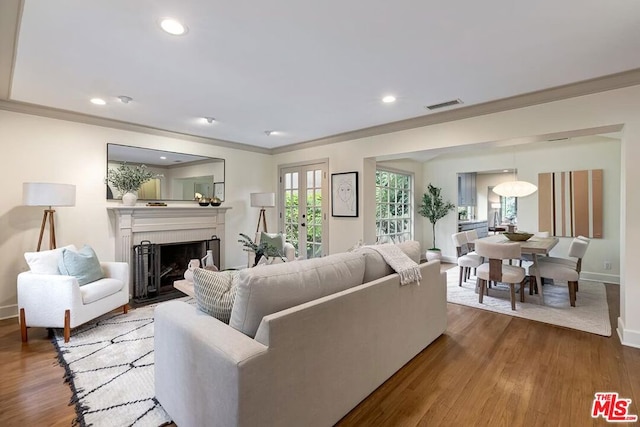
(531, 159)
(615, 107)
(41, 149)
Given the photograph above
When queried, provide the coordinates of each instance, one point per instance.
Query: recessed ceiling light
(209, 119)
(98, 101)
(163, 158)
(271, 132)
(125, 99)
(505, 170)
(173, 27)
(389, 99)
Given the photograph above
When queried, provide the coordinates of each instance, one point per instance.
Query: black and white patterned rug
(109, 366)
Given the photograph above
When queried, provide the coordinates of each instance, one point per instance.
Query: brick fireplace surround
(164, 224)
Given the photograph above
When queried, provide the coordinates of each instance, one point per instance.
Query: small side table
(184, 286)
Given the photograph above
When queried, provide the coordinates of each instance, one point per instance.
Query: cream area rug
(591, 313)
(109, 366)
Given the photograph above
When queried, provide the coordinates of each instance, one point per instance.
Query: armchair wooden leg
(483, 285)
(572, 293)
(67, 325)
(23, 326)
(460, 278)
(125, 308)
(522, 285)
(513, 295)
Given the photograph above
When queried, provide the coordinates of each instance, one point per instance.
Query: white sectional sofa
(306, 365)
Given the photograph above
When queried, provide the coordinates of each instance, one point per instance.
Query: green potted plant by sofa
(128, 180)
(434, 208)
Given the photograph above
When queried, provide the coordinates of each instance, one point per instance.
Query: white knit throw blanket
(406, 268)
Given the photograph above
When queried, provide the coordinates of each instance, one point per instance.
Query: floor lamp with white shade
(262, 201)
(48, 194)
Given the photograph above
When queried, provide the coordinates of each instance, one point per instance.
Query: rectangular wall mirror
(183, 175)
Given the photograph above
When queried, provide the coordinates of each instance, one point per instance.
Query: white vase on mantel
(129, 198)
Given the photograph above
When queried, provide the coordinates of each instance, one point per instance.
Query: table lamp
(48, 194)
(262, 201)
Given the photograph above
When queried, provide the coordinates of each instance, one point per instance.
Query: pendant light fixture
(515, 188)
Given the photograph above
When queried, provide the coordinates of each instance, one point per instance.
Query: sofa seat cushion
(94, 291)
(376, 267)
(271, 288)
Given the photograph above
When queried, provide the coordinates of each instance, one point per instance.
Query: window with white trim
(394, 217)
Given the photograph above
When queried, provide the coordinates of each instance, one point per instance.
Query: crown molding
(54, 113)
(10, 17)
(585, 87)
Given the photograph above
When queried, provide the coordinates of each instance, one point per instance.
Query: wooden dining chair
(466, 260)
(497, 271)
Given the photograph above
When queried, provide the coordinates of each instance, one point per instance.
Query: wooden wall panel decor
(571, 203)
(545, 202)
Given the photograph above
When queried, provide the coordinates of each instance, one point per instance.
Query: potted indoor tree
(128, 179)
(434, 208)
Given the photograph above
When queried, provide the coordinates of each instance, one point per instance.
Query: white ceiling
(308, 69)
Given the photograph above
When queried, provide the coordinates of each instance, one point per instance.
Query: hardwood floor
(487, 369)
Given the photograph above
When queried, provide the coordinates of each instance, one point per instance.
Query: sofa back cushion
(375, 265)
(271, 288)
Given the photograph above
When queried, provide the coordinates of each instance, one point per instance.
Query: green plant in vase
(262, 249)
(128, 179)
(434, 208)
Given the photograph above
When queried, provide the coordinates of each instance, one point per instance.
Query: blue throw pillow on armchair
(83, 265)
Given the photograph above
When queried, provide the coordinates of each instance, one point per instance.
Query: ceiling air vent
(444, 104)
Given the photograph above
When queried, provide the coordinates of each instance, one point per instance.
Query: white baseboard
(449, 259)
(600, 277)
(8, 311)
(628, 337)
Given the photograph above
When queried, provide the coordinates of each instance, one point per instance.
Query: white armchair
(289, 251)
(57, 301)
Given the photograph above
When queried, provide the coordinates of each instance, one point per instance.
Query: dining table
(534, 246)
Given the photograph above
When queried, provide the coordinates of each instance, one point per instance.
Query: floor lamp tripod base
(48, 216)
(262, 217)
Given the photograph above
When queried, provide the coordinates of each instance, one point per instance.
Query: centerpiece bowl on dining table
(518, 237)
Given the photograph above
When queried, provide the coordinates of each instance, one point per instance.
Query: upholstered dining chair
(472, 236)
(497, 271)
(466, 260)
(563, 269)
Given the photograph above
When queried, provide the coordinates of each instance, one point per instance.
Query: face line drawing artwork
(345, 194)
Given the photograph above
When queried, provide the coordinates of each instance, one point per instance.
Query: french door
(304, 198)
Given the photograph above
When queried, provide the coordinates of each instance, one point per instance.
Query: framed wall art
(344, 192)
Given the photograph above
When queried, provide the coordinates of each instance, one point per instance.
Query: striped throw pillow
(215, 292)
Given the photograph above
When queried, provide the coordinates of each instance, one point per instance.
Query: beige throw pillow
(215, 292)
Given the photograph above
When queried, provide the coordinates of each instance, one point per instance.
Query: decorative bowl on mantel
(216, 202)
(518, 237)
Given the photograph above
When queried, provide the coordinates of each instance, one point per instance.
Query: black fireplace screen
(157, 265)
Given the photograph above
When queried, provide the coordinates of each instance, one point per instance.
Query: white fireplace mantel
(165, 224)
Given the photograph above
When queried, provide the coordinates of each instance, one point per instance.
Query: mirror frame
(218, 187)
